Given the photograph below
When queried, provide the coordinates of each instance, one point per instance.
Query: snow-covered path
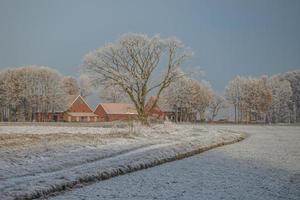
(266, 165)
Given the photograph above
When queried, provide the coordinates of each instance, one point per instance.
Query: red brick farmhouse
(79, 111)
(116, 112)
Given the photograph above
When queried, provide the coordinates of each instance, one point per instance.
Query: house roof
(73, 99)
(118, 108)
(81, 114)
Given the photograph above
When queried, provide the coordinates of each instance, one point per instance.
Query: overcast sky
(228, 37)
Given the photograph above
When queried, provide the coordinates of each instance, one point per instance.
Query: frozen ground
(264, 166)
(38, 160)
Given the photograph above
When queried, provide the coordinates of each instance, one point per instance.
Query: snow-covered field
(264, 166)
(38, 160)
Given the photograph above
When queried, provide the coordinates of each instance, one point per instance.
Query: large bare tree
(133, 62)
(113, 94)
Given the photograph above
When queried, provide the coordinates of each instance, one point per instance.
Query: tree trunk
(143, 119)
(235, 113)
(176, 115)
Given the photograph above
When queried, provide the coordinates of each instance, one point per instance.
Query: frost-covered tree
(250, 97)
(29, 90)
(3, 98)
(70, 85)
(113, 94)
(179, 98)
(130, 63)
(294, 78)
(216, 105)
(202, 98)
(233, 93)
(13, 92)
(281, 107)
(186, 97)
(85, 85)
(256, 98)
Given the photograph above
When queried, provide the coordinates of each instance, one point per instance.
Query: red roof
(118, 108)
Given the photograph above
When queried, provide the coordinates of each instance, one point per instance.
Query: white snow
(38, 160)
(266, 165)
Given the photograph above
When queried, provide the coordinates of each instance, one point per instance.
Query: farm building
(116, 112)
(79, 111)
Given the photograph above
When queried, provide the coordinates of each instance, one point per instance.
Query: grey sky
(228, 37)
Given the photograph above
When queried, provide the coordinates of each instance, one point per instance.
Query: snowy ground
(37, 160)
(266, 165)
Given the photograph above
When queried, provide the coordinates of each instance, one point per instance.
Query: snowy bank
(73, 162)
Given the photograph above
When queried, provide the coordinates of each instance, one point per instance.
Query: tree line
(137, 66)
(28, 90)
(272, 99)
(262, 99)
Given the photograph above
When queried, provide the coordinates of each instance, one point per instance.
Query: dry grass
(21, 141)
